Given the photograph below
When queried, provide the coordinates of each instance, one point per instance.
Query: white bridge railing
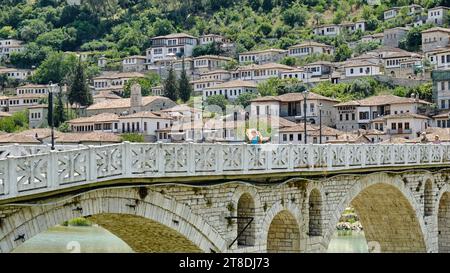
(39, 170)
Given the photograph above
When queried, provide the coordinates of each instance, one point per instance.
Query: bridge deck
(30, 171)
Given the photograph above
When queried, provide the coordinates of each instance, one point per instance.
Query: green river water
(95, 239)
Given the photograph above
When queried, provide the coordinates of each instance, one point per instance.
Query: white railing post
(329, 156)
(52, 170)
(417, 147)
(269, 157)
(126, 159)
(379, 155)
(309, 156)
(11, 184)
(347, 155)
(441, 153)
(190, 158)
(392, 146)
(92, 164)
(430, 153)
(161, 159)
(219, 158)
(363, 155)
(291, 157)
(406, 155)
(245, 157)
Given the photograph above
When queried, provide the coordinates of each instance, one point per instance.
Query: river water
(94, 239)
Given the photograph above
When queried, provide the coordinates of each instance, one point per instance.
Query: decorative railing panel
(31, 169)
(32, 172)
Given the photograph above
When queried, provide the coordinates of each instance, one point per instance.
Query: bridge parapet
(52, 170)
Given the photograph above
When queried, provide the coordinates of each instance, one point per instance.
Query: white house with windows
(114, 82)
(199, 85)
(272, 55)
(435, 38)
(146, 123)
(327, 30)
(8, 46)
(104, 122)
(438, 15)
(170, 46)
(261, 72)
(15, 73)
(221, 75)
(208, 63)
(210, 38)
(403, 125)
(361, 68)
(309, 48)
(391, 13)
(32, 89)
(231, 89)
(134, 63)
(359, 114)
(291, 107)
(37, 115)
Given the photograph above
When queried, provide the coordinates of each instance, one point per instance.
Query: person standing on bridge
(436, 140)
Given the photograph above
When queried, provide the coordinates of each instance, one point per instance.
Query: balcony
(399, 131)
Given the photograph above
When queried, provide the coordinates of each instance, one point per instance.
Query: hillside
(123, 27)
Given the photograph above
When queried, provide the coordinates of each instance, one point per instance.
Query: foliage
(17, 122)
(184, 86)
(150, 80)
(208, 49)
(170, 86)
(78, 90)
(56, 68)
(79, 222)
(133, 137)
(217, 100)
(245, 98)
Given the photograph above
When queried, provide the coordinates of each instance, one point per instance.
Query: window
(394, 126)
(299, 137)
(406, 125)
(291, 137)
(145, 126)
(284, 137)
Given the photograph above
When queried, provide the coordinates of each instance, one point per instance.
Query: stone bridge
(231, 197)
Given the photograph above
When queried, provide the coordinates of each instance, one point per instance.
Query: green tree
(245, 98)
(55, 68)
(217, 100)
(59, 113)
(78, 90)
(343, 52)
(170, 86)
(133, 137)
(150, 80)
(296, 15)
(184, 86)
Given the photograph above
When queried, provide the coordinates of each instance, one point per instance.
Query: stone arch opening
(428, 198)
(444, 223)
(155, 209)
(245, 210)
(145, 235)
(388, 217)
(284, 234)
(315, 213)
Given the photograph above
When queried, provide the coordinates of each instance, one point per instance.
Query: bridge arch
(442, 209)
(282, 229)
(373, 197)
(103, 204)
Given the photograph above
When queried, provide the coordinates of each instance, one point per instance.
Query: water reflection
(351, 243)
(61, 239)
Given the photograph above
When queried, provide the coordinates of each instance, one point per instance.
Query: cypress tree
(170, 86)
(184, 87)
(78, 90)
(59, 114)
